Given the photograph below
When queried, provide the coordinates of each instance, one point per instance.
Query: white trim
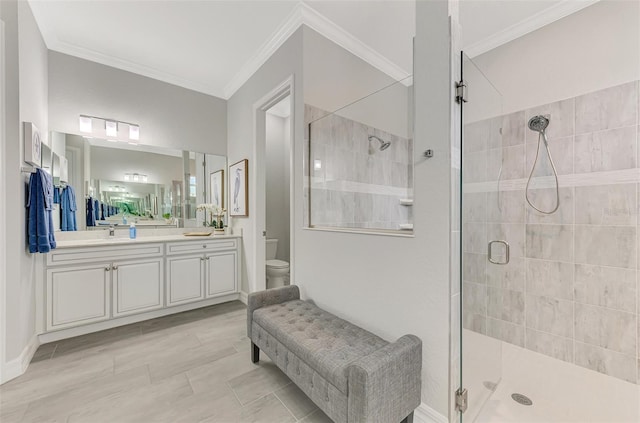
(16, 367)
(3, 222)
(426, 414)
(257, 200)
(530, 24)
(244, 297)
(303, 14)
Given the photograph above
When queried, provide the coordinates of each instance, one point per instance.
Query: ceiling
(214, 46)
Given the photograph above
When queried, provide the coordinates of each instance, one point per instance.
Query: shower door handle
(506, 252)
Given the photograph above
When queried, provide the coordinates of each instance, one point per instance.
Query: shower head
(538, 123)
(383, 144)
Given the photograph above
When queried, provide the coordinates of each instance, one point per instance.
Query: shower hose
(542, 137)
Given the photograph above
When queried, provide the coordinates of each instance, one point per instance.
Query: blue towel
(40, 217)
(96, 209)
(91, 217)
(56, 195)
(102, 211)
(68, 209)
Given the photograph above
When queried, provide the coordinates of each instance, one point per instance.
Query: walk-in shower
(539, 124)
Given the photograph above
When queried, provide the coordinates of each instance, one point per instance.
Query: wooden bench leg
(408, 419)
(255, 353)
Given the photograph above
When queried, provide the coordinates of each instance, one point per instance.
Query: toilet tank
(272, 248)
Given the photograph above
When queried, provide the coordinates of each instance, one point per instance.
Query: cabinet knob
(106, 269)
(115, 267)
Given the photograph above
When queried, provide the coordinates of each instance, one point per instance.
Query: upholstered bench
(350, 374)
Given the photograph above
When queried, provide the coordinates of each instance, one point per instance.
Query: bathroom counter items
(349, 373)
(120, 240)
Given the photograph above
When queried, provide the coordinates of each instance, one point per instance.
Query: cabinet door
(185, 277)
(221, 273)
(137, 286)
(77, 295)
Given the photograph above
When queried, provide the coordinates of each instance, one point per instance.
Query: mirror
(152, 186)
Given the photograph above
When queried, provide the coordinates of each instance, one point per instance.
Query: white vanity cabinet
(201, 270)
(112, 283)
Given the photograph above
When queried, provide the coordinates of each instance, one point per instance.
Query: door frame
(3, 218)
(278, 93)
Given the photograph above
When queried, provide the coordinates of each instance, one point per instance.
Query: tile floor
(188, 367)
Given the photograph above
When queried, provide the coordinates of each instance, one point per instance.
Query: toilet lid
(277, 264)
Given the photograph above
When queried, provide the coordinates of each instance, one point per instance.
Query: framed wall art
(239, 184)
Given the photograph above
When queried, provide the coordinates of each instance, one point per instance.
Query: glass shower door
(486, 252)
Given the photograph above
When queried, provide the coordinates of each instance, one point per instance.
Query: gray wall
(393, 285)
(168, 115)
(25, 72)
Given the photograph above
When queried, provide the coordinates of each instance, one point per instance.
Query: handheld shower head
(538, 123)
(383, 144)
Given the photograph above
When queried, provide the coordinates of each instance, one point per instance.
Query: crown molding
(537, 21)
(303, 14)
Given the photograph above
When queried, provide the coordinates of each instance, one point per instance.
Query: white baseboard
(244, 297)
(16, 367)
(426, 414)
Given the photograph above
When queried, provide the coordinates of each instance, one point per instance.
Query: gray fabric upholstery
(349, 373)
(269, 297)
(326, 396)
(385, 386)
(324, 341)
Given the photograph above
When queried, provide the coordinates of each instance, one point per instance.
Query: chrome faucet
(112, 231)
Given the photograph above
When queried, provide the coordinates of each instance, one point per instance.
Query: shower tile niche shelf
(406, 201)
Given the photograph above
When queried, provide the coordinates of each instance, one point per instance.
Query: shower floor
(561, 392)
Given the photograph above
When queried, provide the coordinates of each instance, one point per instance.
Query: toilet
(277, 270)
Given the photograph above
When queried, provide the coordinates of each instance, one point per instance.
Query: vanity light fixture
(134, 132)
(136, 177)
(111, 128)
(85, 124)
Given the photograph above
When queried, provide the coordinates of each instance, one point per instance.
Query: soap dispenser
(132, 231)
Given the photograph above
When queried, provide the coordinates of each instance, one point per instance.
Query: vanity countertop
(99, 242)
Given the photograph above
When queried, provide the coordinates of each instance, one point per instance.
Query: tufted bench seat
(351, 374)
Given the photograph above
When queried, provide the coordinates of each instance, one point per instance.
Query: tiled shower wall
(356, 186)
(570, 290)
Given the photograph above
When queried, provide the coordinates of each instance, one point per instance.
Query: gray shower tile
(505, 331)
(509, 159)
(606, 328)
(505, 305)
(546, 199)
(477, 135)
(606, 109)
(562, 153)
(474, 298)
(509, 276)
(552, 345)
(475, 322)
(606, 204)
(551, 315)
(610, 287)
(474, 237)
(474, 268)
(550, 278)
(505, 206)
(474, 207)
(551, 242)
(606, 245)
(513, 129)
(495, 137)
(613, 149)
(561, 119)
(475, 167)
(621, 366)
(513, 233)
(342, 133)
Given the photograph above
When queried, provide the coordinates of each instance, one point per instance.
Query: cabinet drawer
(102, 253)
(200, 247)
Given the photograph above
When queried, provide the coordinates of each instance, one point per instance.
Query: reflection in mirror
(118, 182)
(360, 163)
